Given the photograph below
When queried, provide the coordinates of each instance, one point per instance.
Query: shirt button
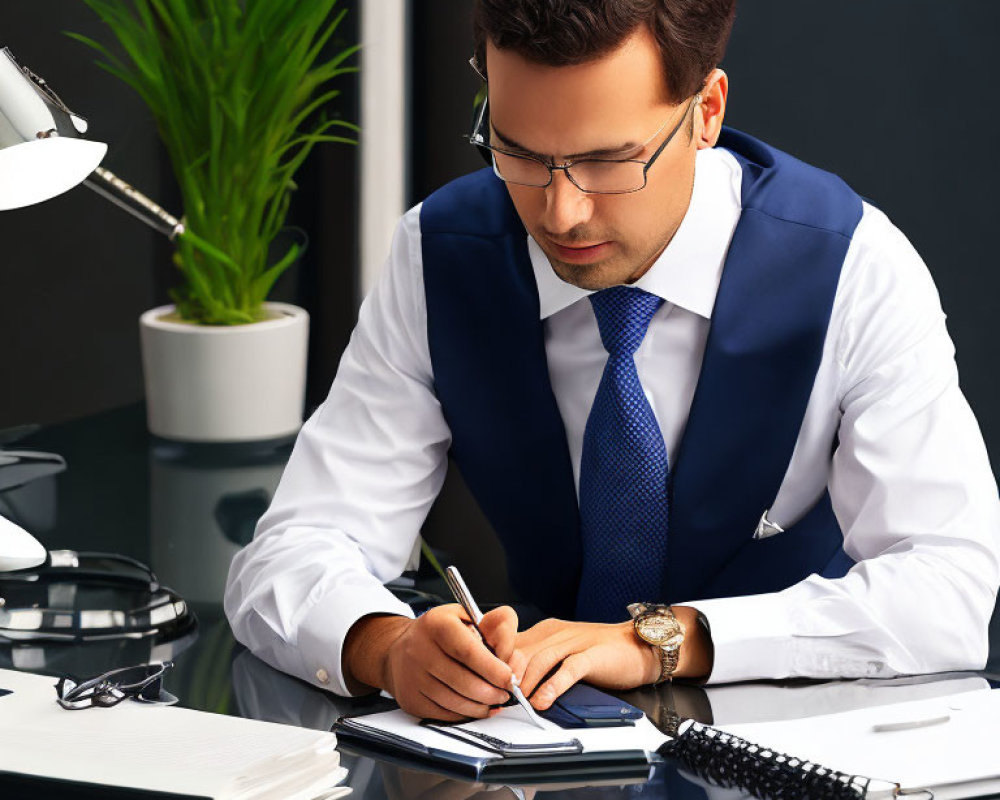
(322, 676)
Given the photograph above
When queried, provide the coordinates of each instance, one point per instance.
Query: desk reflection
(262, 692)
(204, 503)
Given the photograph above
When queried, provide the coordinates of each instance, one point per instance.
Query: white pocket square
(766, 528)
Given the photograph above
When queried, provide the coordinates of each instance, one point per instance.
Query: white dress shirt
(910, 482)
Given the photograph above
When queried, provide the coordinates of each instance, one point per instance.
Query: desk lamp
(43, 154)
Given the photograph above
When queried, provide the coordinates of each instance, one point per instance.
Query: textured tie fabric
(623, 471)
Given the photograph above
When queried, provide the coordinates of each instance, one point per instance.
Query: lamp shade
(18, 549)
(35, 171)
(41, 154)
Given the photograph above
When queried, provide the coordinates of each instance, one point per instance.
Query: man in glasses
(703, 392)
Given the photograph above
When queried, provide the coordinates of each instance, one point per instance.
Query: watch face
(660, 630)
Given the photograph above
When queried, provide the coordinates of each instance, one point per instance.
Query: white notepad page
(162, 748)
(955, 758)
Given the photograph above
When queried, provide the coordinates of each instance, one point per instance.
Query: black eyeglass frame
(477, 139)
(142, 683)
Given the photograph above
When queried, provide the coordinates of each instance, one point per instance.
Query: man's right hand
(436, 666)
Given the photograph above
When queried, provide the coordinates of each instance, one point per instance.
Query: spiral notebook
(945, 745)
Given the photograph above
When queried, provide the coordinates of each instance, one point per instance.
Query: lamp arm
(126, 197)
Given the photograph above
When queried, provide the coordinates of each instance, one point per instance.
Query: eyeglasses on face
(591, 175)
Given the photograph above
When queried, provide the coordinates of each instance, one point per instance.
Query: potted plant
(238, 91)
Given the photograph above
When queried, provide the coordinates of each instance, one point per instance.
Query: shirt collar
(689, 269)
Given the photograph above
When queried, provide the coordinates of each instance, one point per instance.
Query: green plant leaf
(425, 549)
(319, 136)
(100, 48)
(262, 284)
(323, 38)
(210, 250)
(234, 87)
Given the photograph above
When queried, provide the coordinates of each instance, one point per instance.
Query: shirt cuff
(752, 637)
(325, 626)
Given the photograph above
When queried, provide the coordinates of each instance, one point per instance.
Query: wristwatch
(656, 625)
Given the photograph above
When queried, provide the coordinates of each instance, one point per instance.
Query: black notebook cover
(625, 765)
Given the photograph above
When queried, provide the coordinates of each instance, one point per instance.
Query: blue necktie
(623, 471)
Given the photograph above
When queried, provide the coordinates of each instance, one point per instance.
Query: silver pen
(464, 597)
(909, 724)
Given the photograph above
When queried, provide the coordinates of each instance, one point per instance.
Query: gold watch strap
(668, 663)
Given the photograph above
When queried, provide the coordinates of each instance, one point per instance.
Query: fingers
(428, 708)
(518, 663)
(608, 656)
(499, 629)
(542, 662)
(461, 643)
(448, 698)
(468, 684)
(574, 668)
(440, 668)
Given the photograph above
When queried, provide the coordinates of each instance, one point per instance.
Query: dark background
(894, 95)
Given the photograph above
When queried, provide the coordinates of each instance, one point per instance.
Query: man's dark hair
(692, 34)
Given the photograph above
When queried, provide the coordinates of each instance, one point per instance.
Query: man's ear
(712, 109)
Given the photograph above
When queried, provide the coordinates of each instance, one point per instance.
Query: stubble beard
(592, 277)
(618, 269)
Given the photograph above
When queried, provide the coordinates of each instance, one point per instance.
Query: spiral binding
(728, 761)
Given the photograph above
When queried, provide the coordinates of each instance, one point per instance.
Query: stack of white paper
(162, 748)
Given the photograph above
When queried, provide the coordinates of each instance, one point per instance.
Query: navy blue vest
(765, 343)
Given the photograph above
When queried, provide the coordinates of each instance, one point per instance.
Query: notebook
(507, 747)
(947, 745)
(162, 749)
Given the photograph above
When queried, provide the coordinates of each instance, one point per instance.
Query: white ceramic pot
(225, 383)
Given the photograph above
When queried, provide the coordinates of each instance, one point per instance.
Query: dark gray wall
(889, 95)
(76, 272)
(893, 95)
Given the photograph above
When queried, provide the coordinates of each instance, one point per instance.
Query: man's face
(612, 104)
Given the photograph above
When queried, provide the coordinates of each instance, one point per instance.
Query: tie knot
(623, 315)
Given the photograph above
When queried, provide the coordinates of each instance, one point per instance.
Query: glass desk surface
(187, 509)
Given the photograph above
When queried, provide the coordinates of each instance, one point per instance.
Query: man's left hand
(608, 656)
